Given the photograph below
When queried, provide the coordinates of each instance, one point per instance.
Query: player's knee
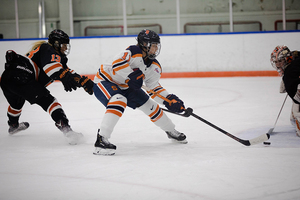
(116, 105)
(149, 107)
(118, 97)
(46, 101)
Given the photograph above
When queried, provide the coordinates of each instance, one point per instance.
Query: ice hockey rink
(39, 164)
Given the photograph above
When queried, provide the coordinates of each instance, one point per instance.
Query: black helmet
(57, 38)
(145, 39)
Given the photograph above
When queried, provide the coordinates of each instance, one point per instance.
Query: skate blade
(177, 141)
(105, 152)
(17, 130)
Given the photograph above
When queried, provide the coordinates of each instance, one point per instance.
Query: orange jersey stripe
(33, 52)
(52, 67)
(105, 74)
(120, 68)
(98, 76)
(103, 89)
(117, 61)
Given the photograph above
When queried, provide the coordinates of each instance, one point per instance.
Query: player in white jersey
(118, 85)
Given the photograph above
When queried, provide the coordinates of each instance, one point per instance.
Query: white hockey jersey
(124, 63)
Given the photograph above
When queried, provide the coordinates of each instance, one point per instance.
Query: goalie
(287, 64)
(118, 85)
(26, 77)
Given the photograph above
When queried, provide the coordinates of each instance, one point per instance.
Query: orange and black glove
(87, 84)
(68, 79)
(175, 105)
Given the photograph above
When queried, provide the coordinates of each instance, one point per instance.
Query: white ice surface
(39, 164)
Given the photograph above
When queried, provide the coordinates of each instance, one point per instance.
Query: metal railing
(221, 23)
(122, 27)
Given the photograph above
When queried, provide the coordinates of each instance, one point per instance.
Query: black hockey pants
(17, 91)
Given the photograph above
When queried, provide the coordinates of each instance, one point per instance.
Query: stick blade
(260, 139)
(271, 130)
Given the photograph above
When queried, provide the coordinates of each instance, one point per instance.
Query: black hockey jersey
(291, 77)
(47, 63)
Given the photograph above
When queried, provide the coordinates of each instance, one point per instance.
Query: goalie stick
(189, 111)
(271, 129)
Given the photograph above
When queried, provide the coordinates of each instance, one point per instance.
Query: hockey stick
(189, 111)
(257, 140)
(271, 129)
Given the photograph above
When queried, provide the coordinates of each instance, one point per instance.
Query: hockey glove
(11, 57)
(176, 105)
(135, 80)
(87, 84)
(68, 80)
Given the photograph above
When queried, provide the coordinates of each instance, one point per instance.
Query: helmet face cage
(60, 40)
(153, 50)
(149, 41)
(280, 58)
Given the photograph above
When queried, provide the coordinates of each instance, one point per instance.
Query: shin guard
(114, 111)
(157, 116)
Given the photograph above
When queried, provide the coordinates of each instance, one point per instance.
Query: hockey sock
(157, 116)
(13, 115)
(114, 111)
(51, 105)
(59, 115)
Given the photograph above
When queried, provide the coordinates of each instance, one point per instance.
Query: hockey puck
(267, 143)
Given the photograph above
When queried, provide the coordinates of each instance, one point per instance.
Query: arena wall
(182, 55)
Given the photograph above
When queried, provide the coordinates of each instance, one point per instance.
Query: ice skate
(73, 137)
(177, 136)
(15, 128)
(103, 146)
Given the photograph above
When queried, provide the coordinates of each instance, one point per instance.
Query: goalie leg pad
(295, 117)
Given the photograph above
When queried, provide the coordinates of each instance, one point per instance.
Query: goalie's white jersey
(124, 63)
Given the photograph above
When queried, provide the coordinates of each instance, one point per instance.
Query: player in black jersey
(287, 63)
(26, 77)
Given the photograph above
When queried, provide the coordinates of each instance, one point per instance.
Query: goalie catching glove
(175, 104)
(87, 84)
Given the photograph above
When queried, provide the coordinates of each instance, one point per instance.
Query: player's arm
(68, 79)
(126, 69)
(174, 104)
(73, 79)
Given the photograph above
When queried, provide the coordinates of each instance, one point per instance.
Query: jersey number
(125, 55)
(114, 87)
(55, 58)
